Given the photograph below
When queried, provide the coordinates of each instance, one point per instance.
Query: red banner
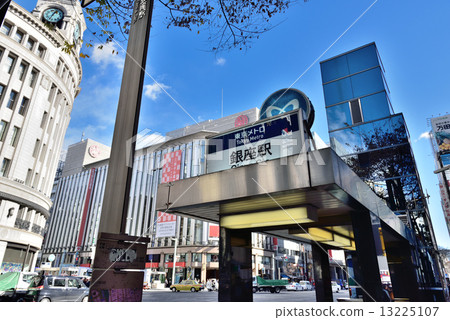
(178, 264)
(213, 231)
(150, 265)
(86, 207)
(171, 166)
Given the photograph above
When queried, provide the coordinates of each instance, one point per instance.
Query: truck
(274, 286)
(14, 285)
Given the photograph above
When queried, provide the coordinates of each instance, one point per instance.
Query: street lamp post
(174, 259)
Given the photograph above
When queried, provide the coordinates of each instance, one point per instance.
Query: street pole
(174, 260)
(117, 188)
(62, 262)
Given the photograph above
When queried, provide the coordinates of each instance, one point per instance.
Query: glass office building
(374, 141)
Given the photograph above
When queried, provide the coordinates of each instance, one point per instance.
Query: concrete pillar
(203, 270)
(369, 251)
(235, 265)
(321, 266)
(33, 262)
(3, 245)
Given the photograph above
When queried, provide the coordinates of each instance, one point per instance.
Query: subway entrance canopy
(281, 185)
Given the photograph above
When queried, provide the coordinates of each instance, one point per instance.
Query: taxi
(187, 285)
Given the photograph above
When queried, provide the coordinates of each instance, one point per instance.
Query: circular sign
(94, 151)
(286, 100)
(242, 120)
(51, 257)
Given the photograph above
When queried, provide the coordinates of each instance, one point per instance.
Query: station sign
(268, 139)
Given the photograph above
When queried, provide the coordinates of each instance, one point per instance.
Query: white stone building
(38, 85)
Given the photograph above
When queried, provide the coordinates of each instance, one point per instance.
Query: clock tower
(66, 16)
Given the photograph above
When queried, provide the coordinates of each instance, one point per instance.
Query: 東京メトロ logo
(286, 100)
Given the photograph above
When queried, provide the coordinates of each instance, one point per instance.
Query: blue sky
(411, 36)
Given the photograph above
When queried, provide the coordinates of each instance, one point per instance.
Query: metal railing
(22, 224)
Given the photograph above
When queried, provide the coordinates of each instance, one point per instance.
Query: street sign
(119, 254)
(269, 139)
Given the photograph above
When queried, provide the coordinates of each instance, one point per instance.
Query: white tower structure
(38, 85)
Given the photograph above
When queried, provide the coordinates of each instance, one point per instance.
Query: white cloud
(220, 61)
(424, 135)
(110, 54)
(152, 91)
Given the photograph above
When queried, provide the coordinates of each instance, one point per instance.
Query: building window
(12, 100)
(212, 257)
(52, 92)
(28, 178)
(22, 70)
(58, 66)
(44, 149)
(196, 257)
(6, 29)
(15, 136)
(9, 64)
(44, 119)
(4, 168)
(36, 147)
(41, 51)
(23, 106)
(18, 36)
(3, 129)
(2, 89)
(50, 124)
(355, 110)
(30, 44)
(33, 77)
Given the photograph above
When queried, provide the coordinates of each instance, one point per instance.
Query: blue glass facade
(373, 141)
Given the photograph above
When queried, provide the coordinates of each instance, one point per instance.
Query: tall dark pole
(117, 189)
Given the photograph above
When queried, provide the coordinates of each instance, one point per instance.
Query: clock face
(53, 15)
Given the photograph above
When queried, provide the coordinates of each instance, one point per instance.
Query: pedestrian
(209, 285)
(386, 295)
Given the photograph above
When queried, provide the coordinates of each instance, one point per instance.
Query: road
(205, 296)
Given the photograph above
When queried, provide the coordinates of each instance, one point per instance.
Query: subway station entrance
(270, 177)
(310, 196)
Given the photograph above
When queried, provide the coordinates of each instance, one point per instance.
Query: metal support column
(235, 265)
(322, 274)
(368, 249)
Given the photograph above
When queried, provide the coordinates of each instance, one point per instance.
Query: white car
(335, 287)
(305, 285)
(293, 286)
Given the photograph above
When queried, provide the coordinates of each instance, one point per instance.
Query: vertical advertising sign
(87, 202)
(213, 231)
(171, 166)
(441, 128)
(167, 223)
(166, 226)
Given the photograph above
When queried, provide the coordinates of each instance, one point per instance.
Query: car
(187, 285)
(293, 286)
(57, 288)
(14, 285)
(335, 287)
(305, 285)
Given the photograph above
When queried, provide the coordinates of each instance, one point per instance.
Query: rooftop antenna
(222, 104)
(82, 136)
